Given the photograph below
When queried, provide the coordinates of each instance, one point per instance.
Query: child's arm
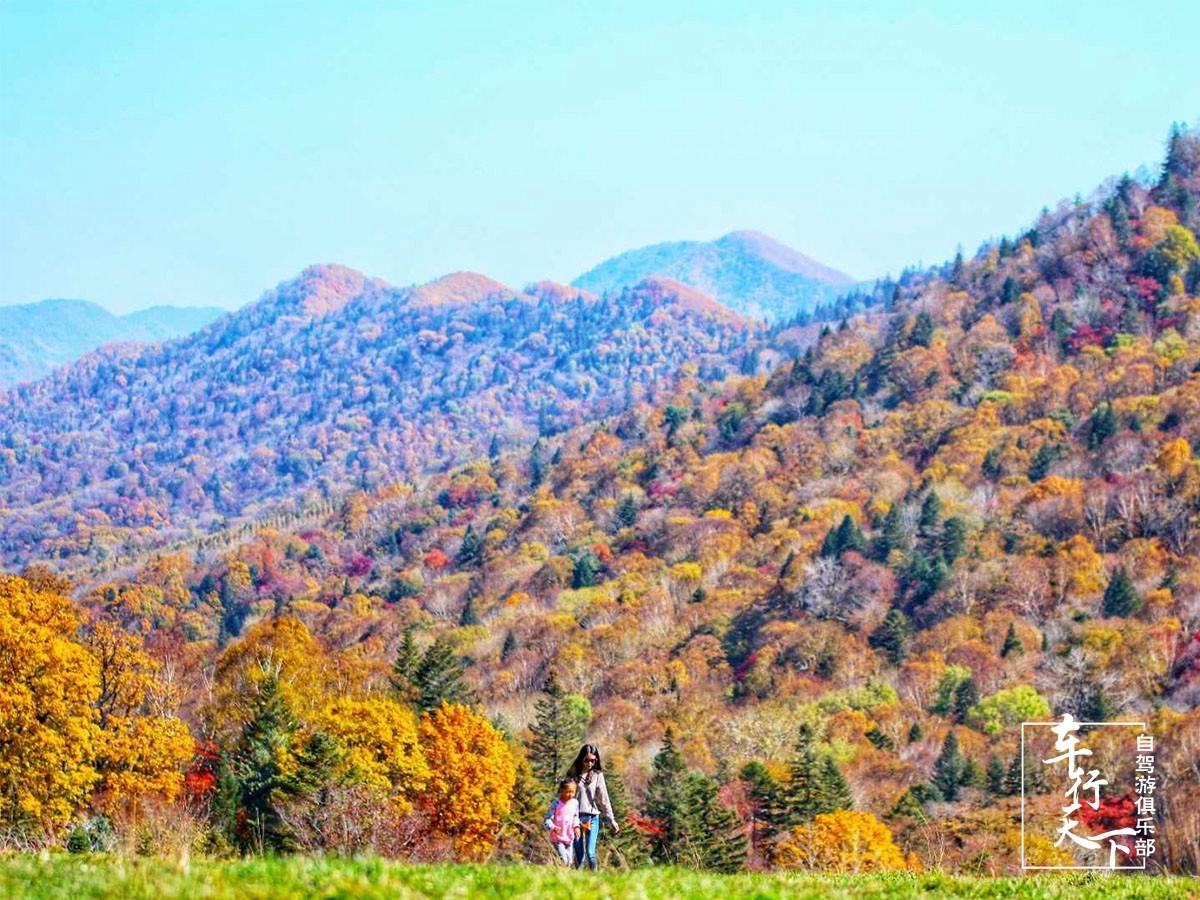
(549, 823)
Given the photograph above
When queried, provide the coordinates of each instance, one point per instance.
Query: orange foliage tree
(471, 777)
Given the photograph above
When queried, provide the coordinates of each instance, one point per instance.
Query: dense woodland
(801, 603)
(330, 382)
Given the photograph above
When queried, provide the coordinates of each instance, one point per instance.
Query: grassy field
(79, 877)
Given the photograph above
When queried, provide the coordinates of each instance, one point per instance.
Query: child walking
(562, 821)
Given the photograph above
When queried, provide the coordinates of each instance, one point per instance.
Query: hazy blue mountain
(35, 338)
(747, 271)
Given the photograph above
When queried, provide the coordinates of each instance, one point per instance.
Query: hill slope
(747, 271)
(35, 338)
(330, 381)
(978, 509)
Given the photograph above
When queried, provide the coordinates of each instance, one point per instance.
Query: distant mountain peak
(457, 288)
(323, 289)
(747, 271)
(784, 256)
(556, 291)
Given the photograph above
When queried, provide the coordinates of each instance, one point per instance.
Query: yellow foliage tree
(842, 841)
(282, 646)
(382, 746)
(142, 756)
(142, 750)
(49, 684)
(471, 777)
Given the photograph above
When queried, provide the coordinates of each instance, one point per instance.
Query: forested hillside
(820, 598)
(329, 382)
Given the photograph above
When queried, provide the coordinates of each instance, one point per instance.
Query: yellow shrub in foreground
(843, 841)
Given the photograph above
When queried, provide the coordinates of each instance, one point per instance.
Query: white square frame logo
(1024, 865)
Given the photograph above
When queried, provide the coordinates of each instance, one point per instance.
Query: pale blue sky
(198, 153)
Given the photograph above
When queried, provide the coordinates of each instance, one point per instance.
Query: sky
(200, 153)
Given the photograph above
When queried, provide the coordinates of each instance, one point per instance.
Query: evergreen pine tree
(666, 802)
(1120, 597)
(1102, 426)
(627, 511)
(915, 733)
(537, 467)
(628, 847)
(966, 695)
(931, 511)
(995, 775)
(892, 536)
(439, 677)
(1012, 643)
(892, 636)
(586, 570)
(471, 549)
(911, 804)
(256, 769)
(469, 615)
(991, 467)
(922, 332)
(522, 838)
(835, 793)
(954, 539)
(849, 537)
(404, 667)
(510, 646)
(949, 771)
(799, 797)
(494, 448)
(764, 796)
(713, 837)
(556, 733)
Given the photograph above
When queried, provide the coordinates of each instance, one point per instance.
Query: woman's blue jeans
(585, 844)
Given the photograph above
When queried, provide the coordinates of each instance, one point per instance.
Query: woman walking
(588, 772)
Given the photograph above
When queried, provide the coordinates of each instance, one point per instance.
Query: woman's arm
(602, 801)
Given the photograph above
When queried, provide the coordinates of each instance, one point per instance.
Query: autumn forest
(357, 568)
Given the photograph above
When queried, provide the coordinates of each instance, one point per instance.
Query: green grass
(83, 877)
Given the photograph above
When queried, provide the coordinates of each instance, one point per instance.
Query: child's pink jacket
(562, 820)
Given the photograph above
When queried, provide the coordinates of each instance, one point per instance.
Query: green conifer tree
(966, 695)
(995, 775)
(714, 839)
(666, 802)
(1012, 643)
(439, 677)
(931, 511)
(257, 770)
(800, 795)
(950, 770)
(556, 733)
(892, 636)
(627, 512)
(470, 551)
(404, 667)
(469, 615)
(509, 647)
(835, 793)
(1120, 597)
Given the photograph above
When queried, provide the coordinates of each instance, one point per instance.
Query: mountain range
(332, 381)
(745, 270)
(37, 337)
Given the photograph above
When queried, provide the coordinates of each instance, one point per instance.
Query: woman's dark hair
(577, 767)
